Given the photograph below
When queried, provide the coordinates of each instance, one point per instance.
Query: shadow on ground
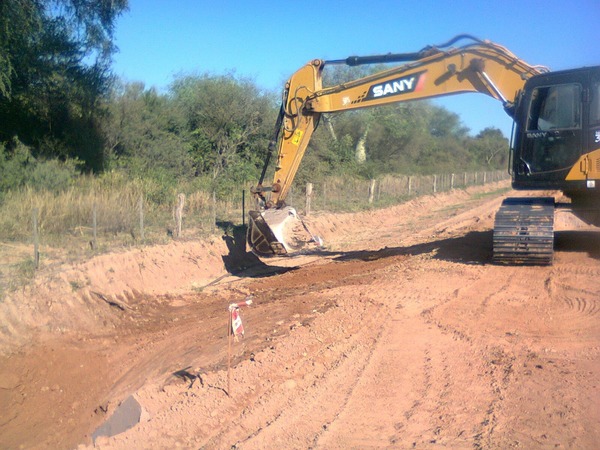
(473, 248)
(578, 241)
(476, 247)
(241, 262)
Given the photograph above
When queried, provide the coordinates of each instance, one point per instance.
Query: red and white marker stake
(235, 328)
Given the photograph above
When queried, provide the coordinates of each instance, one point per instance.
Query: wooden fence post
(309, 190)
(94, 226)
(452, 182)
(141, 211)
(409, 185)
(243, 207)
(434, 184)
(214, 211)
(36, 239)
(372, 190)
(179, 214)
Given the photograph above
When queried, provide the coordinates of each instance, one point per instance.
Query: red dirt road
(401, 335)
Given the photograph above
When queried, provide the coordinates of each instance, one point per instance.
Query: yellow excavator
(555, 143)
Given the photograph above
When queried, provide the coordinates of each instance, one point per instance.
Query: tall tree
(54, 69)
(229, 121)
(145, 133)
(490, 147)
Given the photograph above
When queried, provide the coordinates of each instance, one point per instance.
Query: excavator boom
(477, 66)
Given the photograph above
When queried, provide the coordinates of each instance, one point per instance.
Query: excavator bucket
(278, 232)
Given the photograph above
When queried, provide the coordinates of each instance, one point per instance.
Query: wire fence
(82, 224)
(341, 194)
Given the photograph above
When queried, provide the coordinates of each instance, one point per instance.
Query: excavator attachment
(279, 232)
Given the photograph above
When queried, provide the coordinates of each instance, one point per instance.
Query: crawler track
(524, 231)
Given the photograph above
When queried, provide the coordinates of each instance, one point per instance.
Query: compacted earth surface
(400, 333)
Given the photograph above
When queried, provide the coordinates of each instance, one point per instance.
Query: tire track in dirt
(581, 299)
(478, 312)
(535, 352)
(416, 380)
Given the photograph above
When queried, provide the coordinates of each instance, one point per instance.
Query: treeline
(62, 115)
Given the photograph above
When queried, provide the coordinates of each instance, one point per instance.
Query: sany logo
(536, 134)
(404, 85)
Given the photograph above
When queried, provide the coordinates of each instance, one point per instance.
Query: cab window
(595, 105)
(555, 108)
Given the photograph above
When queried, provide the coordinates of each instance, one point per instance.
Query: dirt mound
(87, 296)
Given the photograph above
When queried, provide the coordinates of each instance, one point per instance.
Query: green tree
(408, 137)
(445, 124)
(490, 148)
(54, 70)
(228, 121)
(145, 133)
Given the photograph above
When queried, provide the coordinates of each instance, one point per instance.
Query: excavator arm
(478, 66)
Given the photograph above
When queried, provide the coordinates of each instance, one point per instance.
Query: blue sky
(269, 40)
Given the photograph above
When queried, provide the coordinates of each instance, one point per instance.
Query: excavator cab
(551, 120)
(557, 130)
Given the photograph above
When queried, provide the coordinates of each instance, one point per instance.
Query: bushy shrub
(13, 166)
(18, 168)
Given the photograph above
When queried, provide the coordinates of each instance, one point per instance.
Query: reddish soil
(401, 334)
